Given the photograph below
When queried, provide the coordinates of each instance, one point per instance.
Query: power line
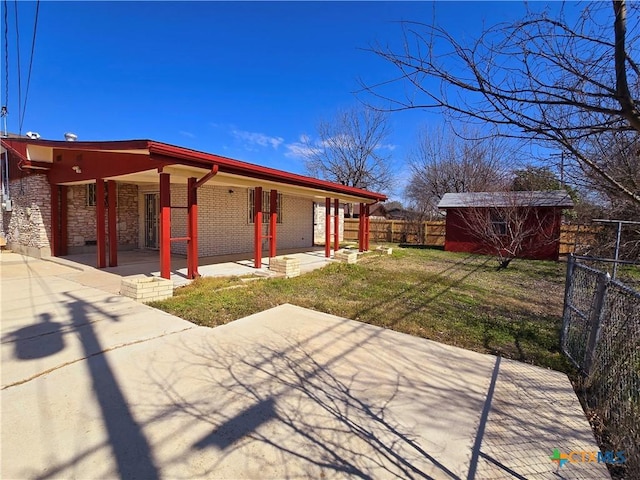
(6, 56)
(33, 47)
(19, 70)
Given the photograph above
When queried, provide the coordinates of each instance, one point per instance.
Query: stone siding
(128, 223)
(82, 218)
(319, 223)
(28, 224)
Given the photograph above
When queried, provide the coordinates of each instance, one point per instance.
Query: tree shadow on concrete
(315, 413)
(351, 400)
(131, 452)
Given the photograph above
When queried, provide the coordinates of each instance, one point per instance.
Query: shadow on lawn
(454, 274)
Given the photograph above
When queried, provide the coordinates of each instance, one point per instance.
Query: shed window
(499, 224)
(266, 204)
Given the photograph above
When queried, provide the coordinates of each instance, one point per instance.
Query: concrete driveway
(97, 386)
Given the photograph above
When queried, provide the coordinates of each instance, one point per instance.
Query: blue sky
(240, 79)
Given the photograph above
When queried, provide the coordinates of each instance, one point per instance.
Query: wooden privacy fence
(398, 231)
(432, 232)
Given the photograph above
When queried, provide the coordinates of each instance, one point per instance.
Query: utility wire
(19, 70)
(33, 47)
(6, 56)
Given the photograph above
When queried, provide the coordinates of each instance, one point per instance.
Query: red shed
(509, 224)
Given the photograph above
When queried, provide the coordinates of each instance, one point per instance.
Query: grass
(457, 299)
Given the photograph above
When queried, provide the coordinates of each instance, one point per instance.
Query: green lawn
(457, 299)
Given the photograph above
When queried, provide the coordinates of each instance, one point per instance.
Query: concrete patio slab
(147, 263)
(286, 393)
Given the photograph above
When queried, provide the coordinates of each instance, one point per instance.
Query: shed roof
(550, 198)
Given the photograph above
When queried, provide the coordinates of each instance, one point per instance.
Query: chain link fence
(601, 337)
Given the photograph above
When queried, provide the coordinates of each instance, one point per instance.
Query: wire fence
(601, 336)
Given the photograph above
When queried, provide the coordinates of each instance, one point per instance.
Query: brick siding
(223, 221)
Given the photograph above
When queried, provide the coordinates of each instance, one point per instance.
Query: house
(510, 224)
(68, 197)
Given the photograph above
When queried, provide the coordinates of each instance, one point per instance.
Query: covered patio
(186, 218)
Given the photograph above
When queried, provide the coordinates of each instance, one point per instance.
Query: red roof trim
(206, 160)
(237, 167)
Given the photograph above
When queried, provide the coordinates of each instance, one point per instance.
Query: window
(498, 224)
(266, 204)
(91, 195)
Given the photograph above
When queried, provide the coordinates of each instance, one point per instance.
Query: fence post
(568, 284)
(596, 320)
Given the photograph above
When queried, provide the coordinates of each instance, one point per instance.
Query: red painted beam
(55, 220)
(165, 226)
(100, 227)
(361, 228)
(97, 165)
(257, 221)
(64, 220)
(192, 226)
(273, 222)
(327, 227)
(336, 225)
(112, 221)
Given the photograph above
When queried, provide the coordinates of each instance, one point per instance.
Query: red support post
(361, 228)
(101, 239)
(112, 222)
(165, 226)
(257, 221)
(336, 225)
(55, 220)
(192, 228)
(327, 227)
(366, 228)
(273, 222)
(64, 220)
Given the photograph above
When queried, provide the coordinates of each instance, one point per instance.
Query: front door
(151, 220)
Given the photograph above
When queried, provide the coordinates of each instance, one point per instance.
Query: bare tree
(619, 153)
(540, 78)
(352, 150)
(443, 162)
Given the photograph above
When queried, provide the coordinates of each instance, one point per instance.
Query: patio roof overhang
(139, 161)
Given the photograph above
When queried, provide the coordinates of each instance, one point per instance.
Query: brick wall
(223, 223)
(28, 225)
